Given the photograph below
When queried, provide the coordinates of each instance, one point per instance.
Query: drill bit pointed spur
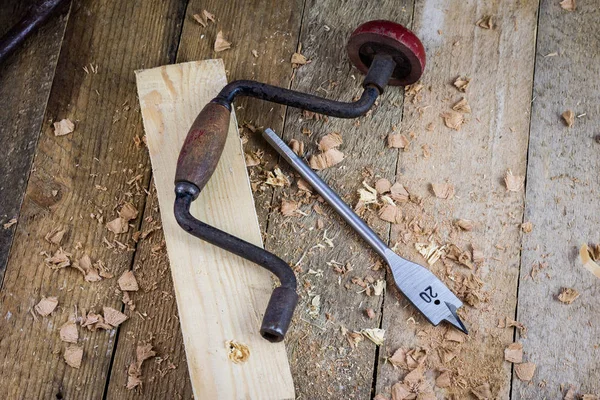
(420, 286)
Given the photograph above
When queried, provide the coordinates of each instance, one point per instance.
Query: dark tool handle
(37, 14)
(203, 146)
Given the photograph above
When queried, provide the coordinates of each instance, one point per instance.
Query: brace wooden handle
(203, 145)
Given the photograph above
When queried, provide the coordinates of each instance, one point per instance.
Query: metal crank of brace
(387, 52)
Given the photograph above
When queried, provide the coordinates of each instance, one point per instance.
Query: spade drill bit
(421, 287)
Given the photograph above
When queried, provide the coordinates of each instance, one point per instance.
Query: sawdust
(134, 372)
(63, 127)
(568, 295)
(462, 106)
(569, 5)
(220, 43)
(462, 83)
(443, 190)
(514, 183)
(330, 141)
(486, 22)
(237, 352)
(588, 258)
(73, 355)
(127, 282)
(453, 120)
(325, 160)
(68, 332)
(525, 371)
(46, 306)
(514, 353)
(397, 141)
(569, 118)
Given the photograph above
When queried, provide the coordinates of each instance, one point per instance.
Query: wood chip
(568, 5)
(568, 295)
(370, 313)
(390, 213)
(297, 147)
(46, 306)
(63, 127)
(569, 117)
(134, 372)
(208, 16)
(454, 336)
(298, 60)
(128, 212)
(514, 353)
(251, 160)
(69, 333)
(443, 190)
(464, 224)
(375, 335)
(254, 53)
(400, 391)
(60, 259)
(325, 160)
(383, 186)
(514, 183)
(462, 83)
(453, 120)
(118, 225)
(525, 371)
(127, 282)
(198, 18)
(55, 236)
(90, 273)
(113, 317)
(73, 355)
(220, 43)
(330, 141)
(10, 223)
(277, 178)
(443, 380)
(483, 392)
(486, 22)
(462, 106)
(399, 193)
(288, 207)
(397, 141)
(527, 227)
(587, 260)
(238, 352)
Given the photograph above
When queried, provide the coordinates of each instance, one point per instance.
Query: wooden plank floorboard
(275, 43)
(25, 82)
(323, 364)
(562, 203)
(83, 173)
(499, 62)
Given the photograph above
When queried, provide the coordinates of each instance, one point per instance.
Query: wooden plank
(100, 154)
(499, 62)
(275, 42)
(25, 81)
(562, 204)
(323, 364)
(231, 292)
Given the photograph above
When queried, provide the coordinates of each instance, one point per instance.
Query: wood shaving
(397, 141)
(220, 43)
(277, 178)
(325, 160)
(238, 352)
(462, 83)
(588, 261)
(462, 106)
(408, 359)
(430, 251)
(414, 386)
(399, 193)
(288, 207)
(483, 392)
(90, 273)
(330, 141)
(383, 186)
(514, 353)
(204, 18)
(251, 160)
(443, 380)
(46, 305)
(568, 295)
(569, 117)
(527, 227)
(414, 89)
(486, 22)
(375, 335)
(93, 322)
(525, 371)
(514, 183)
(380, 397)
(55, 236)
(128, 212)
(10, 223)
(63, 127)
(113, 317)
(198, 18)
(127, 282)
(118, 225)
(60, 259)
(297, 147)
(134, 372)
(464, 224)
(353, 338)
(443, 190)
(568, 5)
(390, 213)
(298, 60)
(453, 335)
(303, 185)
(453, 120)
(73, 355)
(68, 332)
(368, 195)
(208, 16)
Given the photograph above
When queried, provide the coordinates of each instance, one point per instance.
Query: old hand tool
(417, 283)
(386, 52)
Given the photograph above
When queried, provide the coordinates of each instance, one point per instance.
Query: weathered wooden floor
(538, 61)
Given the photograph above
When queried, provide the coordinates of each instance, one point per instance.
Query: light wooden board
(500, 64)
(89, 170)
(220, 296)
(562, 203)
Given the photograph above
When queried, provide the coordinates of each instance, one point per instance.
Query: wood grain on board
(275, 42)
(323, 363)
(74, 176)
(562, 203)
(493, 138)
(25, 82)
(229, 292)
